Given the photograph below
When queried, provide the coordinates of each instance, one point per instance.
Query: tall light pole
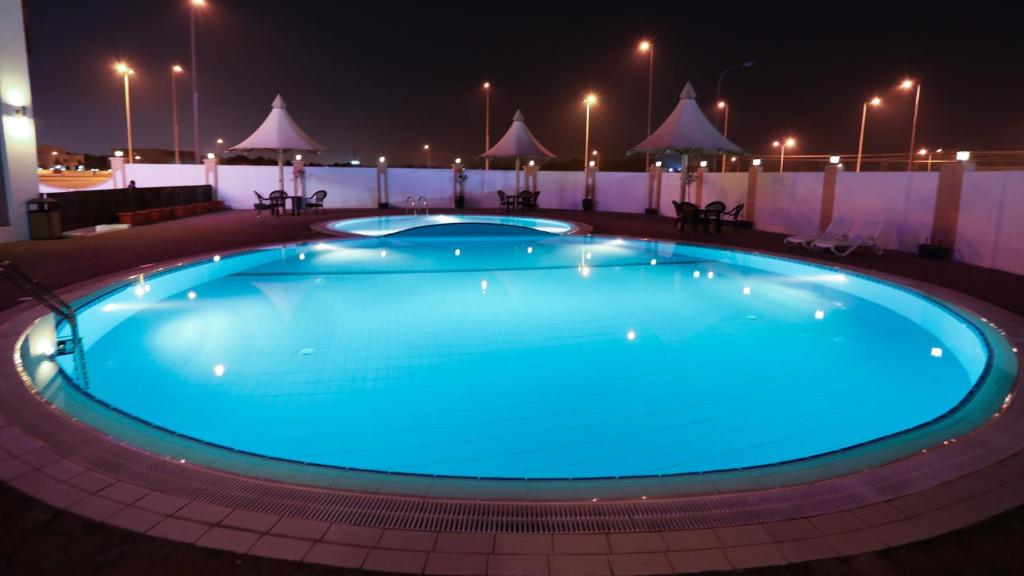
(648, 47)
(907, 85)
(876, 101)
(220, 144)
(426, 148)
(487, 123)
(787, 143)
(589, 101)
(724, 107)
(125, 71)
(195, 77)
(175, 70)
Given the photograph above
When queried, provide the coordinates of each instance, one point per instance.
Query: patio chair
(837, 228)
(732, 216)
(713, 213)
(535, 200)
(279, 198)
(316, 201)
(525, 198)
(686, 213)
(866, 237)
(505, 201)
(264, 203)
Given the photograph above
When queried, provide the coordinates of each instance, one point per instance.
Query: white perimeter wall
(989, 233)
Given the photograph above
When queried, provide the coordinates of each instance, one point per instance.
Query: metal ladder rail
(55, 304)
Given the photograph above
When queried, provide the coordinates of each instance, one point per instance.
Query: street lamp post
(487, 123)
(876, 101)
(724, 107)
(647, 46)
(907, 85)
(787, 143)
(175, 70)
(125, 71)
(589, 101)
(220, 144)
(426, 148)
(195, 77)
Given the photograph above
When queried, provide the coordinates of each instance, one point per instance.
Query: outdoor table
(298, 203)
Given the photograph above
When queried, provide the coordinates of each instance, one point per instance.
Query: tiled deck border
(913, 499)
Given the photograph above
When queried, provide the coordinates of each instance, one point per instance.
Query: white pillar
(653, 189)
(298, 178)
(117, 172)
(19, 182)
(210, 175)
(382, 182)
(531, 171)
(590, 182)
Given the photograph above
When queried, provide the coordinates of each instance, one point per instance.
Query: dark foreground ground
(38, 539)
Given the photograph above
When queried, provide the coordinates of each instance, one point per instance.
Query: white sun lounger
(837, 228)
(866, 237)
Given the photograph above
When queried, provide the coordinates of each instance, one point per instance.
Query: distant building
(156, 155)
(48, 156)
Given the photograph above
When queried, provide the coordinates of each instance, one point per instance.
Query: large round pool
(523, 357)
(507, 225)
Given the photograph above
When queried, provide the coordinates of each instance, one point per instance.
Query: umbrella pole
(280, 169)
(682, 176)
(516, 191)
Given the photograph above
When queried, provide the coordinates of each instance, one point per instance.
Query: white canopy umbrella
(279, 133)
(518, 143)
(686, 131)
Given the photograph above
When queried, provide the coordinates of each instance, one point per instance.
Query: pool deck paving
(64, 515)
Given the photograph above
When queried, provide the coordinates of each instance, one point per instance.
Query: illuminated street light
(175, 70)
(426, 148)
(724, 107)
(125, 71)
(487, 124)
(589, 100)
(789, 143)
(907, 85)
(876, 101)
(220, 143)
(647, 47)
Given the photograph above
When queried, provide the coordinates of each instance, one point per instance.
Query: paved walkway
(36, 530)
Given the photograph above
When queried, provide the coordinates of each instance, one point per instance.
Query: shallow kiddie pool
(534, 357)
(385, 225)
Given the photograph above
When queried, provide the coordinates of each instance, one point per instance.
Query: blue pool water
(537, 357)
(384, 225)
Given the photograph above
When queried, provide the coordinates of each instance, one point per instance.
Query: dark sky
(385, 78)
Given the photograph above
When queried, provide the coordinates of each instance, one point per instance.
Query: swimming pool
(525, 357)
(384, 225)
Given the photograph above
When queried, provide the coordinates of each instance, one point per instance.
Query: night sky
(385, 78)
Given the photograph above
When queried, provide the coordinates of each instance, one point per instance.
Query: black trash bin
(44, 219)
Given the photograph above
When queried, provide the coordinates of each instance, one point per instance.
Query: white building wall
(903, 201)
(788, 202)
(990, 231)
(18, 133)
